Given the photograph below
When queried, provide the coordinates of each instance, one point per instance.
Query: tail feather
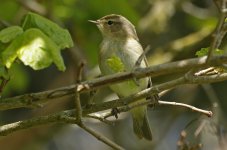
(146, 129)
(141, 125)
(137, 129)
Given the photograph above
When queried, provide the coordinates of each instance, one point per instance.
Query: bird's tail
(141, 125)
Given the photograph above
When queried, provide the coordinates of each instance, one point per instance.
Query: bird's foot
(115, 112)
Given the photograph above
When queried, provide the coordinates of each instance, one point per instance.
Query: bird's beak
(94, 21)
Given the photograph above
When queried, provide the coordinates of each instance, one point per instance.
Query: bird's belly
(115, 64)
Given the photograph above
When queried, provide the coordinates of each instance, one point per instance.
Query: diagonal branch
(220, 30)
(60, 117)
(35, 99)
(102, 138)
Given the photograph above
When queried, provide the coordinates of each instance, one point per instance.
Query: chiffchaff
(120, 50)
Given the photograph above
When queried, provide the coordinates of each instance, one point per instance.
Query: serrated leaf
(10, 33)
(34, 49)
(59, 35)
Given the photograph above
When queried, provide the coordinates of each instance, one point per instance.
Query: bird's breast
(121, 57)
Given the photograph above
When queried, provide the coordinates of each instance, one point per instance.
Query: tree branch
(67, 116)
(102, 138)
(6, 129)
(193, 108)
(60, 117)
(35, 99)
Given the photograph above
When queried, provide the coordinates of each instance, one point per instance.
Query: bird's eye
(110, 22)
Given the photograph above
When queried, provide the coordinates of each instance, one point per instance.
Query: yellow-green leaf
(115, 64)
(204, 52)
(34, 49)
(10, 33)
(60, 36)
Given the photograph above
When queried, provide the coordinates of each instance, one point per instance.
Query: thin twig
(100, 117)
(102, 138)
(208, 113)
(204, 71)
(127, 107)
(164, 92)
(77, 94)
(78, 106)
(200, 128)
(142, 56)
(79, 71)
(218, 33)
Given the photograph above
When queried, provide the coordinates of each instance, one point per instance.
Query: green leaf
(10, 33)
(59, 35)
(34, 49)
(204, 52)
(115, 64)
(219, 52)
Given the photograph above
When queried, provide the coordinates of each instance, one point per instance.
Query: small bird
(119, 52)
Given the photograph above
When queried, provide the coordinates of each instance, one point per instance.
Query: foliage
(204, 52)
(37, 43)
(59, 36)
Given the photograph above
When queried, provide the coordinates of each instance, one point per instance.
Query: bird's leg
(115, 112)
(155, 99)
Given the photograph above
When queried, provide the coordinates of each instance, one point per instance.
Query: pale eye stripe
(112, 17)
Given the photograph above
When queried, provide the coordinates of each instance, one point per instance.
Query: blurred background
(175, 30)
